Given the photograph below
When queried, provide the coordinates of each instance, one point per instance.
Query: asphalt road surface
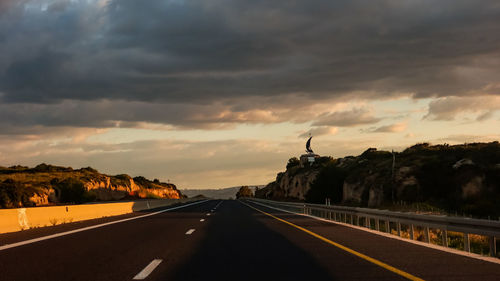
(225, 240)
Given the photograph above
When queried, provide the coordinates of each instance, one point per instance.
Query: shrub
(72, 191)
(292, 162)
(14, 194)
(328, 184)
(244, 191)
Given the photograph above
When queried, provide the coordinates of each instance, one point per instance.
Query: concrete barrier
(12, 220)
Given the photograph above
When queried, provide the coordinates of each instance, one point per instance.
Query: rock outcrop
(292, 184)
(47, 184)
(463, 178)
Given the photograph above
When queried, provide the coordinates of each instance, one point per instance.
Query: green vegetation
(13, 194)
(328, 184)
(44, 184)
(472, 188)
(292, 162)
(244, 191)
(455, 179)
(73, 191)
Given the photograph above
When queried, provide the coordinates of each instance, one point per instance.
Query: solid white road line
(202, 220)
(190, 231)
(13, 245)
(147, 270)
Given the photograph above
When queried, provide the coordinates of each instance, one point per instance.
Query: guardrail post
(399, 228)
(345, 217)
(466, 242)
(387, 226)
(412, 233)
(367, 222)
(357, 220)
(493, 246)
(377, 225)
(426, 234)
(444, 237)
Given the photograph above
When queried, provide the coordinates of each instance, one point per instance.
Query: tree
(244, 191)
(14, 194)
(292, 162)
(328, 184)
(72, 191)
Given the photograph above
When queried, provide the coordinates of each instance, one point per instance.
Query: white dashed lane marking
(147, 270)
(190, 231)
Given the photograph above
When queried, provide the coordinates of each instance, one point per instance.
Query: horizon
(214, 94)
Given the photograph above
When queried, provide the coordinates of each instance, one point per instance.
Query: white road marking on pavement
(208, 214)
(202, 220)
(147, 270)
(13, 245)
(218, 204)
(190, 231)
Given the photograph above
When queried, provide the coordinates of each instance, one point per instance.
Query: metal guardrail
(381, 220)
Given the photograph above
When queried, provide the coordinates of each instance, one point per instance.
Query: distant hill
(47, 184)
(222, 193)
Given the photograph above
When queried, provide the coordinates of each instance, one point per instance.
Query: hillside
(46, 184)
(222, 193)
(451, 178)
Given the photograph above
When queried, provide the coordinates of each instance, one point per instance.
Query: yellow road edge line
(342, 247)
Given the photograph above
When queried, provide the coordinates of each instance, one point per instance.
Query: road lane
(14, 237)
(70, 232)
(239, 245)
(424, 262)
(234, 243)
(114, 252)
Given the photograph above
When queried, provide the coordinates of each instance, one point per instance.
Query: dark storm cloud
(227, 55)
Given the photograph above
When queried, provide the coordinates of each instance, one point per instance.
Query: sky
(218, 93)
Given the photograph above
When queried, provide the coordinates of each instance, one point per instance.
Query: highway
(224, 240)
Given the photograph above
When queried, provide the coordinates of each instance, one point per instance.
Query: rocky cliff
(459, 178)
(47, 184)
(295, 182)
(292, 184)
